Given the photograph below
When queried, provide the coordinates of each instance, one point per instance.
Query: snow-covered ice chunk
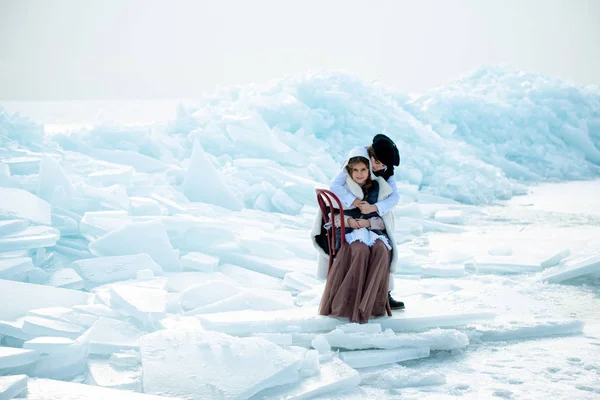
(51, 177)
(259, 280)
(500, 250)
(30, 238)
(210, 365)
(14, 267)
(178, 282)
(139, 161)
(122, 175)
(48, 344)
(139, 237)
(12, 226)
(144, 304)
(36, 296)
(181, 323)
(103, 373)
(109, 335)
(206, 234)
(171, 206)
(310, 363)
(299, 281)
(14, 329)
(334, 376)
(144, 275)
(19, 203)
(66, 278)
(427, 225)
(95, 224)
(449, 216)
(125, 359)
(12, 386)
(11, 358)
(66, 314)
(99, 310)
(555, 259)
(65, 363)
(273, 265)
(280, 321)
(371, 358)
(321, 344)
(505, 265)
(114, 196)
(25, 165)
(398, 376)
(406, 321)
(285, 204)
(203, 182)
(530, 330)
(435, 339)
(573, 269)
(37, 326)
(280, 339)
(310, 297)
(48, 389)
(101, 270)
(443, 270)
(202, 294)
(146, 206)
(199, 262)
(245, 300)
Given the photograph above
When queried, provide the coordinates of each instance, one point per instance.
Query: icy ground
(145, 259)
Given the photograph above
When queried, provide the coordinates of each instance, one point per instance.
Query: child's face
(359, 173)
(377, 165)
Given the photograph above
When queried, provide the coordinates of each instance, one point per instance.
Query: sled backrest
(325, 198)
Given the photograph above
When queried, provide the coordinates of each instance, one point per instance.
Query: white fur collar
(384, 188)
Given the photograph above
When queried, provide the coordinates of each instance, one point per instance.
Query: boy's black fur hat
(386, 151)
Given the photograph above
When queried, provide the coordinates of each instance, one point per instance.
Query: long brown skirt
(357, 283)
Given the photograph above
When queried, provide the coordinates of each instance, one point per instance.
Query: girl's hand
(364, 223)
(353, 223)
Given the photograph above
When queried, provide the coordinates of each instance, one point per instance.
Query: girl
(357, 285)
(384, 155)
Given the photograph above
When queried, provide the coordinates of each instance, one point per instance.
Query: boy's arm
(338, 188)
(384, 206)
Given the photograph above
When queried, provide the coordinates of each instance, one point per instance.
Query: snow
(48, 389)
(109, 335)
(36, 326)
(30, 238)
(19, 203)
(11, 358)
(36, 296)
(168, 257)
(573, 269)
(334, 376)
(371, 358)
(100, 270)
(12, 386)
(202, 365)
(139, 237)
(201, 174)
(199, 262)
(144, 304)
(11, 267)
(104, 374)
(12, 225)
(47, 344)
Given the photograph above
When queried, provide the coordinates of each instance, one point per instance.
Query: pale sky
(138, 49)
